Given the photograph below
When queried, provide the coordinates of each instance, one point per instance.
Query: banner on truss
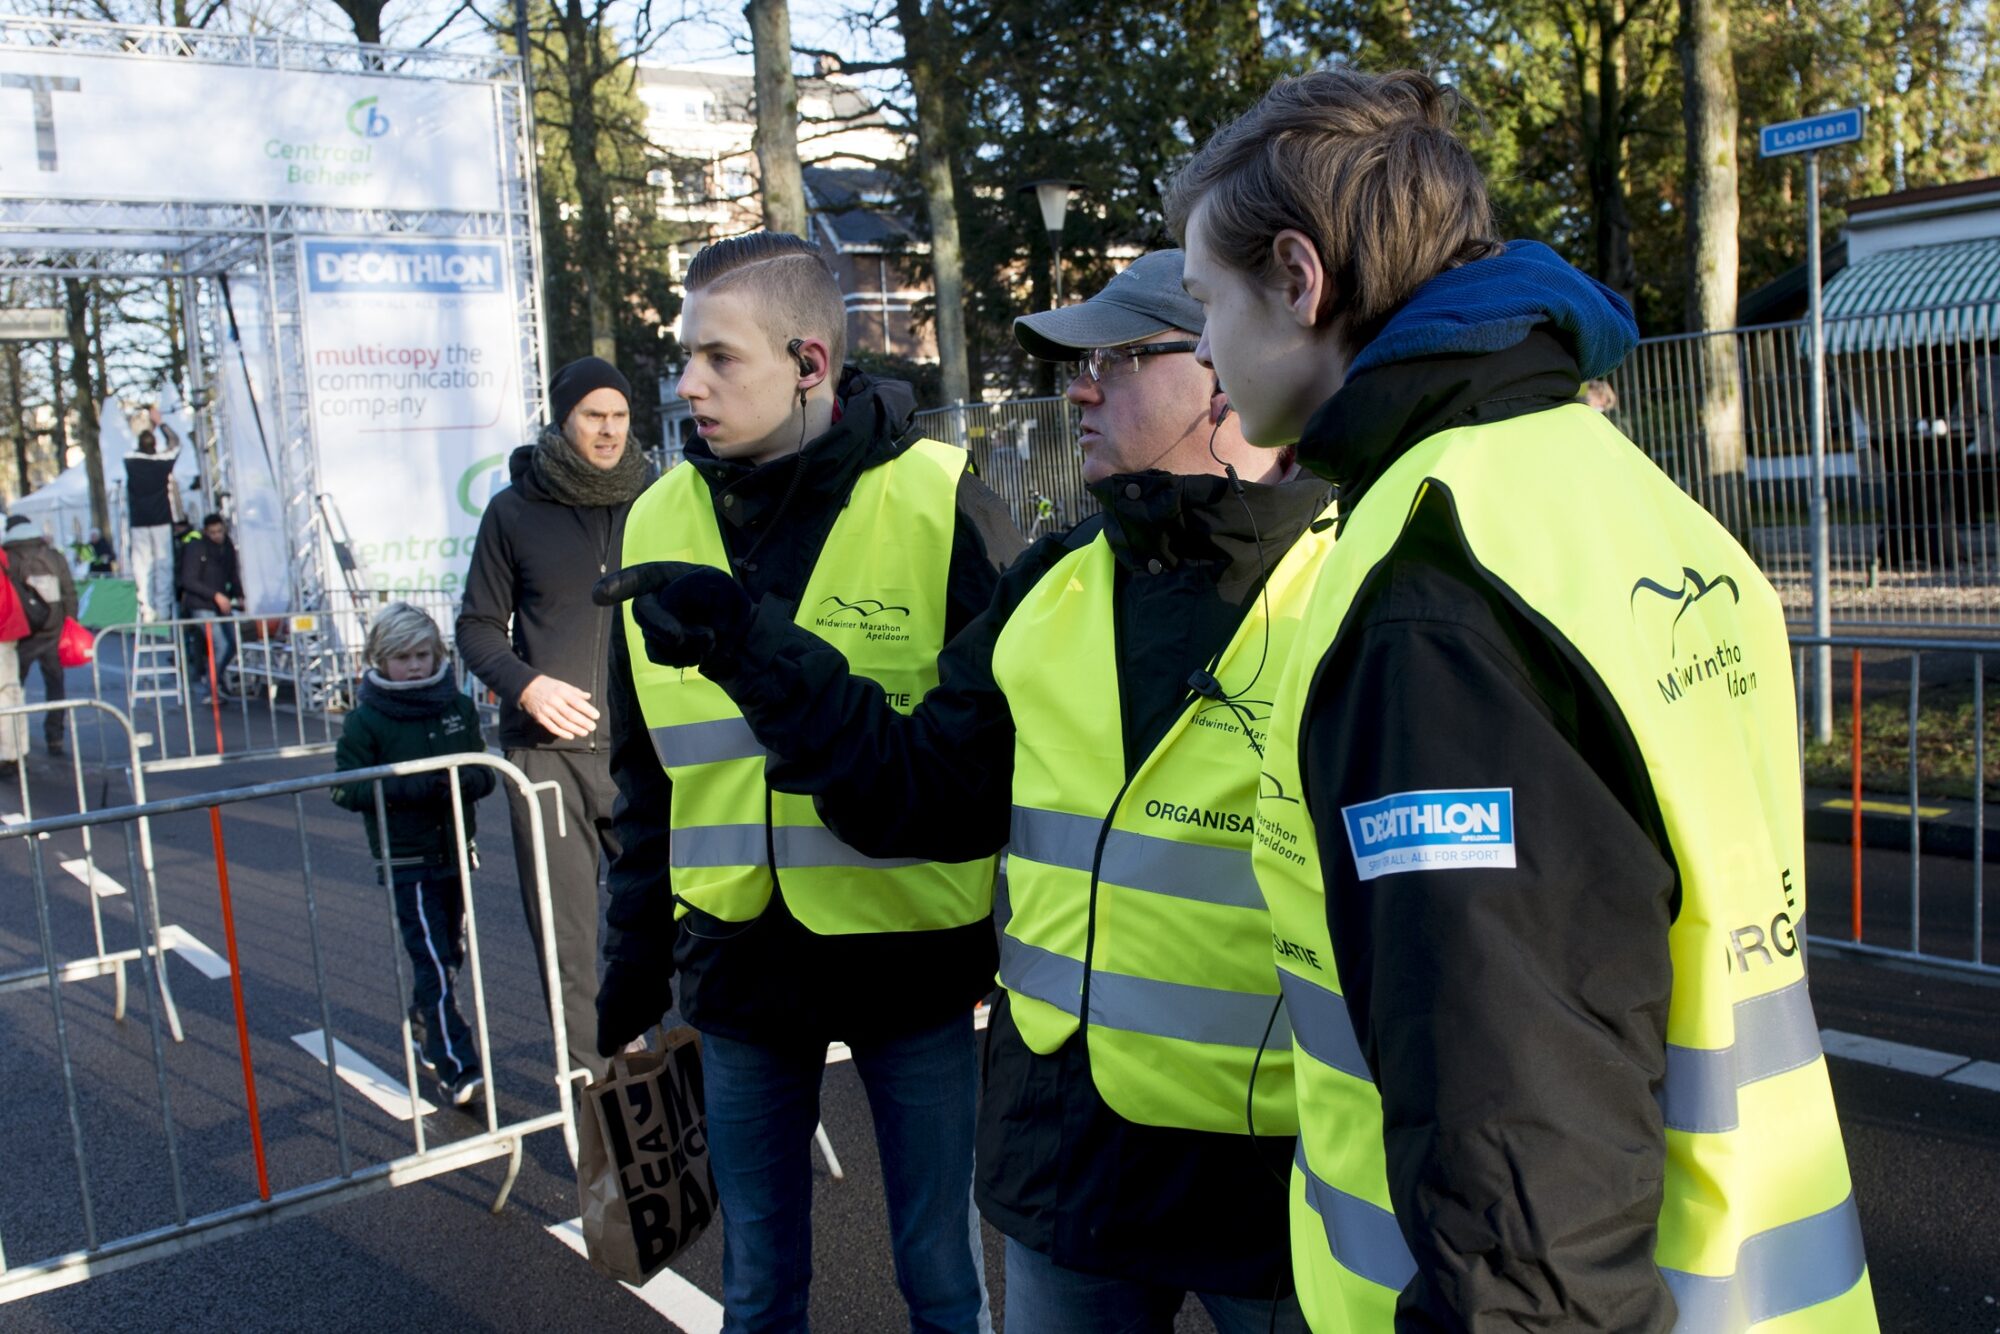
(140, 128)
(414, 386)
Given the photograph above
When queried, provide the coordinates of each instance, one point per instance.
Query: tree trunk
(77, 295)
(23, 439)
(1708, 82)
(925, 59)
(1604, 128)
(583, 54)
(784, 184)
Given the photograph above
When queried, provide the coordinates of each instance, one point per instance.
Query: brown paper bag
(642, 1176)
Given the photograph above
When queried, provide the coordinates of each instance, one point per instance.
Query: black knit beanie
(577, 379)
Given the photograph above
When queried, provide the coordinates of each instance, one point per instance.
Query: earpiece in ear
(1218, 404)
(805, 367)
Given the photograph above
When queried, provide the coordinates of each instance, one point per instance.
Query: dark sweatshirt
(527, 610)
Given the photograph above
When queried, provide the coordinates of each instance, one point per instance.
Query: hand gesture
(685, 612)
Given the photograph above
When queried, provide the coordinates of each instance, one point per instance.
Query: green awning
(1942, 293)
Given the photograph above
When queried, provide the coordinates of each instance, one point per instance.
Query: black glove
(685, 612)
(633, 998)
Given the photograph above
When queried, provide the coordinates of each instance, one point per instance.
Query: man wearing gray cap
(1103, 722)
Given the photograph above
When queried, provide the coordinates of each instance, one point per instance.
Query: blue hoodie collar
(1491, 304)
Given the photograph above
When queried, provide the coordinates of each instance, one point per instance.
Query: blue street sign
(1803, 136)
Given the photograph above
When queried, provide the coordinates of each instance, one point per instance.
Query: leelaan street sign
(113, 127)
(1803, 136)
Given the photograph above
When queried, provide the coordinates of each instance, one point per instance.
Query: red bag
(76, 646)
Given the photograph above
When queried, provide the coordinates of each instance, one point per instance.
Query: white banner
(250, 439)
(414, 378)
(114, 127)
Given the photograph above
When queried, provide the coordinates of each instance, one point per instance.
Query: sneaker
(420, 1039)
(467, 1090)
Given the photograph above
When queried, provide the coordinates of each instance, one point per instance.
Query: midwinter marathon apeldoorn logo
(1720, 661)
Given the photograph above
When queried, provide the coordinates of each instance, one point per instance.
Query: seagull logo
(866, 609)
(1693, 588)
(1255, 710)
(1270, 789)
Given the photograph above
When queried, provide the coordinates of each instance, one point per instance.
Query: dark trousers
(222, 634)
(430, 911)
(44, 654)
(576, 862)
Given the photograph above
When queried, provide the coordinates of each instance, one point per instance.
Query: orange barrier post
(236, 990)
(1856, 745)
(214, 695)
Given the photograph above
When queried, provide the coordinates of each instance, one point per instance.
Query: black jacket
(394, 723)
(771, 979)
(1516, 1026)
(1058, 1170)
(527, 610)
(33, 559)
(202, 569)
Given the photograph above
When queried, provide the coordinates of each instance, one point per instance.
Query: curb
(1944, 824)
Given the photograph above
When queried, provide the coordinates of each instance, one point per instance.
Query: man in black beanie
(529, 630)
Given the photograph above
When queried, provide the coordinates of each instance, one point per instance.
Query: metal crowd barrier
(426, 1158)
(1026, 450)
(138, 843)
(216, 688)
(1907, 938)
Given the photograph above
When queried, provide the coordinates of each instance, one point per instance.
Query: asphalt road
(1925, 1152)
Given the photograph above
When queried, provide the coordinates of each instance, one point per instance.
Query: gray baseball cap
(1146, 299)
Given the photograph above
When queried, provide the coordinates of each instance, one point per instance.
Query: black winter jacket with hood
(1057, 1169)
(772, 980)
(412, 720)
(527, 609)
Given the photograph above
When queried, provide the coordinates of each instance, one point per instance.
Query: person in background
(42, 568)
(103, 557)
(211, 588)
(529, 630)
(13, 629)
(411, 709)
(152, 498)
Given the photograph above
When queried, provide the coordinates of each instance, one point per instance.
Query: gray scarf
(573, 480)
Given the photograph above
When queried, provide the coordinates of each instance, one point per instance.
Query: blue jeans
(198, 640)
(763, 1105)
(1045, 1298)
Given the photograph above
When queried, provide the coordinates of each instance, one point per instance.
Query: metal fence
(216, 688)
(1910, 748)
(1912, 455)
(112, 1136)
(1026, 450)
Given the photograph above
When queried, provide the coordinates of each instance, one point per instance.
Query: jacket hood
(1492, 304)
(521, 475)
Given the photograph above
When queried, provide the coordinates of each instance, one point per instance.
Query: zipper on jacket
(598, 676)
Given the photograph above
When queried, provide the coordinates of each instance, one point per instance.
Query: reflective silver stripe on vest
(1788, 1268)
(1774, 1033)
(686, 744)
(1138, 861)
(1142, 1004)
(1322, 1025)
(1362, 1236)
(798, 846)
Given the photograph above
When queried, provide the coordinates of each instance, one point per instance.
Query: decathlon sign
(362, 266)
(151, 129)
(1441, 829)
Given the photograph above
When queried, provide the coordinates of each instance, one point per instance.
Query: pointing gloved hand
(633, 998)
(685, 612)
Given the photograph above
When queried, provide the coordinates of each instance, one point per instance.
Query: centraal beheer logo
(1434, 829)
(365, 118)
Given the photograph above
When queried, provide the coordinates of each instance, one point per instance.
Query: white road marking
(1979, 1074)
(101, 884)
(193, 953)
(364, 1076)
(839, 1051)
(1905, 1057)
(9, 818)
(683, 1305)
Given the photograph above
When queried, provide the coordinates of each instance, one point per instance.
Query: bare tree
(783, 179)
(76, 294)
(926, 61)
(1708, 81)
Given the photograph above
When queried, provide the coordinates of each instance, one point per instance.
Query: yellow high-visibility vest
(1138, 900)
(1639, 586)
(877, 593)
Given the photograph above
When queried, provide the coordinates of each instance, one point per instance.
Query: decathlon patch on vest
(1443, 829)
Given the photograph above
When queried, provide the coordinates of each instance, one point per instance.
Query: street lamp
(1053, 197)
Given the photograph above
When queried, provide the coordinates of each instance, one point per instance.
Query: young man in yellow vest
(812, 490)
(1106, 714)
(1531, 829)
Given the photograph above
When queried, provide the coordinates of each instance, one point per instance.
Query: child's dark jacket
(412, 720)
